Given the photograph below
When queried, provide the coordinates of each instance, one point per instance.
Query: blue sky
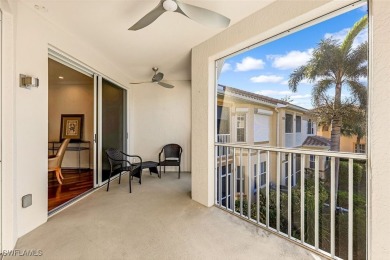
(265, 70)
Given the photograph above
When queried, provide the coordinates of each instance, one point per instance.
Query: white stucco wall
(270, 21)
(162, 116)
(379, 125)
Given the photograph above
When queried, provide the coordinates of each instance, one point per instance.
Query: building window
(240, 177)
(241, 127)
(298, 124)
(310, 127)
(223, 120)
(312, 161)
(360, 148)
(289, 124)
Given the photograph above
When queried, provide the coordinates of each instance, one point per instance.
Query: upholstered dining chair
(56, 161)
(170, 155)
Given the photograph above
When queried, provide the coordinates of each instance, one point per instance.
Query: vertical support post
(241, 183)
(249, 189)
(316, 201)
(215, 174)
(350, 209)
(267, 189)
(332, 206)
(289, 164)
(278, 164)
(227, 176)
(303, 160)
(258, 183)
(220, 176)
(234, 180)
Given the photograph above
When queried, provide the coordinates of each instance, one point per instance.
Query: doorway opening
(71, 115)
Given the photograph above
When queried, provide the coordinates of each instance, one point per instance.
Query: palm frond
(295, 77)
(321, 87)
(355, 30)
(359, 91)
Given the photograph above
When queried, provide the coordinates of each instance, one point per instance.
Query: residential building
(249, 119)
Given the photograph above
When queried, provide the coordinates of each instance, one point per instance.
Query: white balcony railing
(223, 138)
(306, 213)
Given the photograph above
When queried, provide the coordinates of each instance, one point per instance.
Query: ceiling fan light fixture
(170, 5)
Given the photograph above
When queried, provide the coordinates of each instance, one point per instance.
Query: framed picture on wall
(72, 127)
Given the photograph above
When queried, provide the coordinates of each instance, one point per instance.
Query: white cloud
(306, 96)
(340, 36)
(291, 60)
(267, 79)
(284, 82)
(250, 63)
(269, 92)
(226, 67)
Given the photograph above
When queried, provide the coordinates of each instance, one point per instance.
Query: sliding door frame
(67, 60)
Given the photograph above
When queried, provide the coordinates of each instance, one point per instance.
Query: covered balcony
(158, 220)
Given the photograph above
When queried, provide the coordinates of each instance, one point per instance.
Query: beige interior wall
(72, 99)
(162, 116)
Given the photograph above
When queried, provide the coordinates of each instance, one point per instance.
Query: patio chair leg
(120, 175)
(130, 183)
(108, 183)
(179, 171)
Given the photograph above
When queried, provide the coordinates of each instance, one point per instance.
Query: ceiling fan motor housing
(170, 5)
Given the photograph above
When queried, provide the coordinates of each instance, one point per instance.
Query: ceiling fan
(157, 77)
(198, 14)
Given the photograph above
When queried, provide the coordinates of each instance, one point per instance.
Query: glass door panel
(113, 122)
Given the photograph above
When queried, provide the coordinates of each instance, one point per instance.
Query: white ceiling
(166, 43)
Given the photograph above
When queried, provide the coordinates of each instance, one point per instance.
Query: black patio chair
(119, 163)
(172, 156)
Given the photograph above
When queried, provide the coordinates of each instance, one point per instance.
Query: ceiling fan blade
(202, 15)
(158, 77)
(149, 18)
(165, 85)
(134, 83)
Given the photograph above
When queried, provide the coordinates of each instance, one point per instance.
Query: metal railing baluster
(332, 205)
(289, 164)
(249, 192)
(350, 209)
(303, 157)
(278, 165)
(316, 201)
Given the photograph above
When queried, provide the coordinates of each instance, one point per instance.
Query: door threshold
(71, 202)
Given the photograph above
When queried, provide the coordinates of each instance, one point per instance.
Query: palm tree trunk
(336, 134)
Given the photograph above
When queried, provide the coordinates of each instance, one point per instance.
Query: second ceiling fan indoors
(198, 14)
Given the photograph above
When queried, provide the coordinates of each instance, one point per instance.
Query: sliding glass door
(111, 123)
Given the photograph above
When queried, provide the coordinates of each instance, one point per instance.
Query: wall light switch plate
(26, 200)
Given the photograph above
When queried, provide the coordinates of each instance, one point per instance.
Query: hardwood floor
(74, 184)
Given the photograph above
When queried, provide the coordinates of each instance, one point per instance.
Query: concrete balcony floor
(157, 221)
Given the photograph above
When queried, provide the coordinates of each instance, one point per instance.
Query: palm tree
(334, 65)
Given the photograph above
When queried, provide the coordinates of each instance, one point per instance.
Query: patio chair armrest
(133, 156)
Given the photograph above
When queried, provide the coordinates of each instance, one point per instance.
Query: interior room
(136, 76)
(70, 93)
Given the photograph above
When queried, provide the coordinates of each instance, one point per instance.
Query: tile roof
(244, 93)
(316, 140)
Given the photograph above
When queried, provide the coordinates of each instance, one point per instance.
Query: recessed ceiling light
(61, 77)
